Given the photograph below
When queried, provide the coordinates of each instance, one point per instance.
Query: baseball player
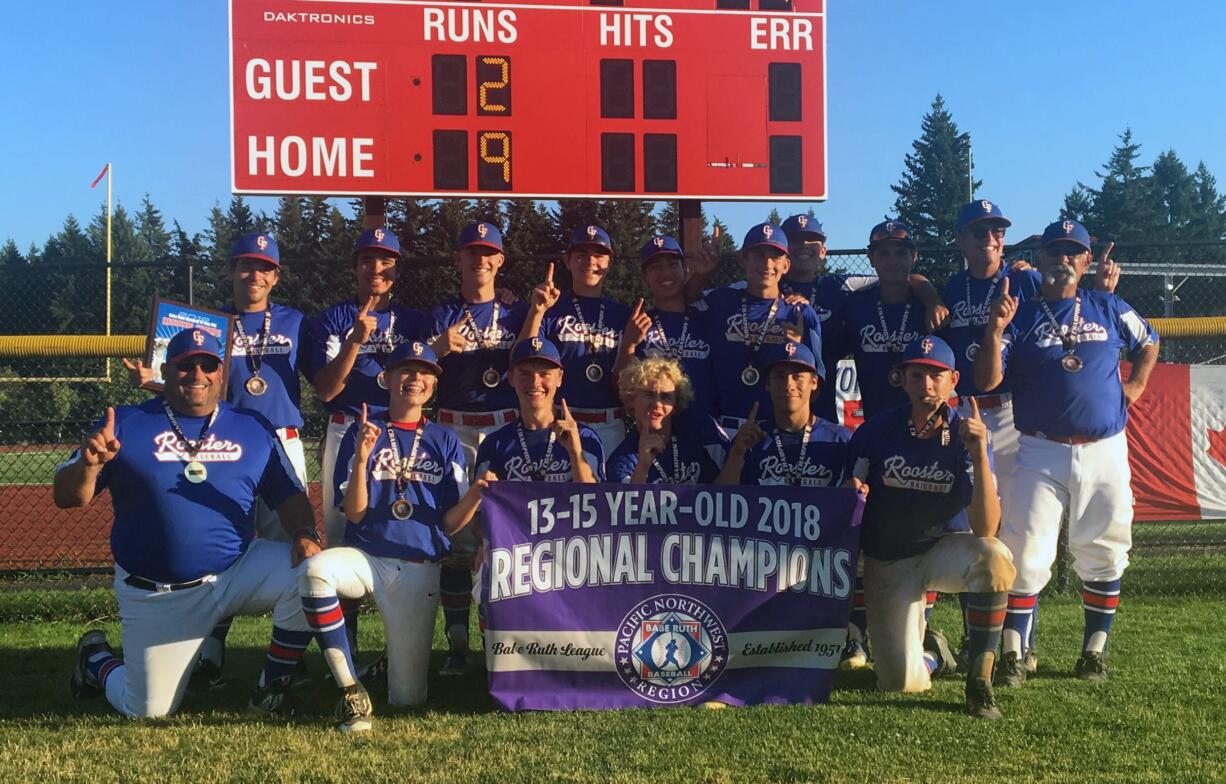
(668, 445)
(828, 293)
(184, 471)
(474, 333)
(267, 356)
(798, 448)
(1060, 353)
(671, 328)
(744, 319)
(930, 522)
(403, 486)
(585, 326)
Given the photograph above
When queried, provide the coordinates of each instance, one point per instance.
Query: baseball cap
(659, 244)
(1066, 231)
(535, 348)
(891, 230)
(766, 234)
(792, 353)
(190, 342)
(414, 351)
(803, 227)
(256, 245)
(481, 234)
(928, 350)
(975, 211)
(381, 238)
(590, 235)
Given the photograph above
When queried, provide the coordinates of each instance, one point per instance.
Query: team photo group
(992, 410)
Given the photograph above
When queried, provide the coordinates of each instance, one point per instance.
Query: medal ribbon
(589, 335)
(933, 419)
(664, 477)
(1068, 340)
(538, 470)
(657, 327)
(255, 358)
(987, 301)
(753, 342)
(795, 472)
(894, 340)
(486, 339)
(404, 469)
(189, 447)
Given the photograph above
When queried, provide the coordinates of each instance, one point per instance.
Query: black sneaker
(456, 664)
(82, 683)
(207, 676)
(936, 644)
(1091, 666)
(854, 657)
(980, 702)
(1010, 671)
(273, 700)
(354, 712)
(374, 673)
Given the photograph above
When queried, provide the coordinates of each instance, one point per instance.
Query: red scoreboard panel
(654, 99)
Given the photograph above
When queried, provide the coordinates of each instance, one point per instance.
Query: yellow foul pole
(109, 179)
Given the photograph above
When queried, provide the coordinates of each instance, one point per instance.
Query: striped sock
(857, 628)
(284, 652)
(1018, 617)
(985, 617)
(1099, 599)
(1034, 624)
(930, 599)
(455, 591)
(214, 648)
(931, 662)
(101, 666)
(327, 620)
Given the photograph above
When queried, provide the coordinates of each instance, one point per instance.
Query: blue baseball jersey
(283, 357)
(730, 345)
(822, 464)
(435, 484)
(502, 453)
(665, 340)
(329, 331)
(876, 352)
(1048, 399)
(919, 489)
(969, 316)
(168, 529)
(461, 387)
(575, 343)
(701, 448)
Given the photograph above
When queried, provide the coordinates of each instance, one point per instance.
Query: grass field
(1159, 718)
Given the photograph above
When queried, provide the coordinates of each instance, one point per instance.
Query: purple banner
(630, 596)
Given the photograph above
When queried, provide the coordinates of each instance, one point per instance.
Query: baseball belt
(156, 587)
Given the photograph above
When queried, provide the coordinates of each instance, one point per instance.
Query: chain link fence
(55, 562)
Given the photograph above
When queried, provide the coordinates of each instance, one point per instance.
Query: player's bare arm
(747, 436)
(460, 515)
(989, 370)
(635, 333)
(298, 517)
(1142, 365)
(74, 483)
(357, 494)
(702, 267)
(330, 379)
(984, 511)
(544, 297)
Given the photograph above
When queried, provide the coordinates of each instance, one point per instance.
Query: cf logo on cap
(987, 206)
(767, 231)
(197, 337)
(802, 221)
(536, 344)
(261, 242)
(926, 345)
(378, 235)
(482, 230)
(417, 348)
(1067, 226)
(889, 227)
(591, 232)
(790, 348)
(659, 241)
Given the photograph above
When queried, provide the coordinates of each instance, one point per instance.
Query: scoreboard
(650, 99)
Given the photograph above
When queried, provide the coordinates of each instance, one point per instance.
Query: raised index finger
(108, 424)
(974, 408)
(362, 424)
(371, 301)
(1004, 287)
(638, 309)
(565, 410)
(1106, 254)
(549, 274)
(753, 413)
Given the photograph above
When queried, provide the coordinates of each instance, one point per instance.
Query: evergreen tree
(774, 217)
(1208, 207)
(1077, 204)
(934, 182)
(1123, 207)
(530, 245)
(10, 255)
(153, 240)
(629, 224)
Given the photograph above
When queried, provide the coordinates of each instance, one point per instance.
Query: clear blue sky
(1044, 88)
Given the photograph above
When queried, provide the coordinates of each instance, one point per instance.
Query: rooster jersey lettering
(576, 340)
(822, 465)
(280, 356)
(967, 318)
(461, 387)
(875, 352)
(502, 453)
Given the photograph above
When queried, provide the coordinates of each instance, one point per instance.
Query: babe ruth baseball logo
(379, 235)
(659, 241)
(670, 649)
(261, 242)
(482, 230)
(591, 232)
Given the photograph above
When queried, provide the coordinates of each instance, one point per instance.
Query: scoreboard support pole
(689, 211)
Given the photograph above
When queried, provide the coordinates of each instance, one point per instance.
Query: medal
(750, 376)
(491, 378)
(401, 509)
(487, 341)
(536, 471)
(895, 377)
(972, 351)
(591, 335)
(594, 373)
(1071, 363)
(195, 472)
(753, 341)
(256, 386)
(381, 379)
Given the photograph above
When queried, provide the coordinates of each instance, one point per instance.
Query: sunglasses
(206, 363)
(1071, 249)
(982, 232)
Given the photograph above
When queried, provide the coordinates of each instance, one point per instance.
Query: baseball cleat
(354, 711)
(82, 683)
(1031, 660)
(980, 701)
(457, 657)
(273, 701)
(1010, 672)
(375, 672)
(1091, 666)
(936, 644)
(963, 656)
(854, 656)
(207, 676)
